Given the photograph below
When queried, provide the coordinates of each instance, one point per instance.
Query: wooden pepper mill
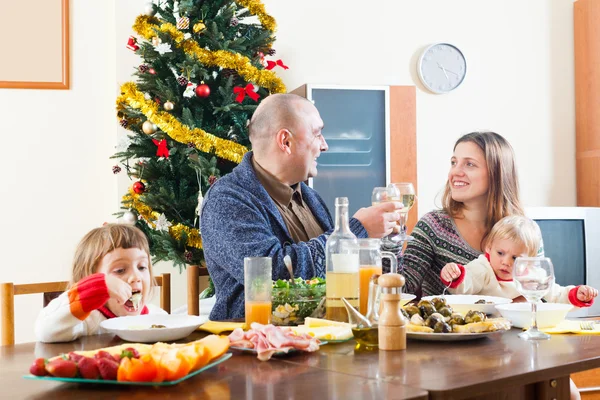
(392, 324)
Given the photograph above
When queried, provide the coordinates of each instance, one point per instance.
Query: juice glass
(257, 289)
(370, 255)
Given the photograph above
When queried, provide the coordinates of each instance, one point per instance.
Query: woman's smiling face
(468, 175)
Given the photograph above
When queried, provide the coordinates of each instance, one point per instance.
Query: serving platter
(448, 337)
(218, 361)
(277, 353)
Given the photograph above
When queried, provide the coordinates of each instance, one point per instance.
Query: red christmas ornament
(162, 150)
(152, 71)
(139, 187)
(202, 90)
(132, 43)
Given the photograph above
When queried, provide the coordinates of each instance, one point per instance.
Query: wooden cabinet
(586, 14)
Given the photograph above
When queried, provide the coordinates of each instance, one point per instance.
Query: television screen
(564, 243)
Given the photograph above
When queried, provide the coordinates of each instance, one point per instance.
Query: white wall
(57, 182)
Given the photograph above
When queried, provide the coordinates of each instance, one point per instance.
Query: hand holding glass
(533, 277)
(406, 195)
(384, 195)
(257, 289)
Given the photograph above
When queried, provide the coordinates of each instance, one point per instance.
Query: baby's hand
(586, 293)
(118, 289)
(450, 272)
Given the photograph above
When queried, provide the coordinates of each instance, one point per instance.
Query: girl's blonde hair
(519, 229)
(503, 192)
(101, 241)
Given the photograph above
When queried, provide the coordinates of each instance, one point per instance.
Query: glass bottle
(342, 262)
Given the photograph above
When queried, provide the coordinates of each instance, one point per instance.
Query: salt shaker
(392, 324)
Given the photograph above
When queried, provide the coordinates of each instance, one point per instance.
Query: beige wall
(57, 182)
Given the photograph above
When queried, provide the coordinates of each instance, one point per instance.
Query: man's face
(307, 142)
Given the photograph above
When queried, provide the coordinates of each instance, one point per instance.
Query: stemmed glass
(533, 277)
(384, 195)
(406, 195)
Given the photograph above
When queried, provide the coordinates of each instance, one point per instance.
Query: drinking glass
(257, 289)
(370, 257)
(406, 195)
(384, 195)
(533, 277)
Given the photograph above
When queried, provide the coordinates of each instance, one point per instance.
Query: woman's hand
(450, 272)
(586, 293)
(118, 289)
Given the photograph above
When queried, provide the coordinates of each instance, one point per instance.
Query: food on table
(316, 322)
(135, 300)
(294, 300)
(325, 332)
(156, 326)
(483, 301)
(270, 339)
(135, 362)
(435, 316)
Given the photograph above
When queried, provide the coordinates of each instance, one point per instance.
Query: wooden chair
(51, 290)
(194, 272)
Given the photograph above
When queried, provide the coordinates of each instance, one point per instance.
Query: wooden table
(241, 377)
(502, 366)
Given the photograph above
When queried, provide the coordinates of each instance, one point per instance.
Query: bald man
(264, 209)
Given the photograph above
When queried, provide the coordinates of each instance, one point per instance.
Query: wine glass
(384, 195)
(406, 195)
(533, 277)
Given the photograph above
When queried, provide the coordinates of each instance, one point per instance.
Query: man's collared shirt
(300, 221)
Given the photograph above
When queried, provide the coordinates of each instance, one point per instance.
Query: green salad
(294, 300)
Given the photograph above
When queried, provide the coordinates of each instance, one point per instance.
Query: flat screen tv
(572, 240)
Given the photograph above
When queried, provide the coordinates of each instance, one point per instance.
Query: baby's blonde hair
(100, 241)
(519, 229)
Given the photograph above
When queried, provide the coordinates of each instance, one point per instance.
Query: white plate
(447, 337)
(463, 303)
(137, 328)
(406, 298)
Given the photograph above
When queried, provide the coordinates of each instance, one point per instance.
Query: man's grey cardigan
(239, 219)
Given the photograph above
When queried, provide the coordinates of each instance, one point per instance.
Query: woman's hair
(519, 229)
(503, 192)
(101, 241)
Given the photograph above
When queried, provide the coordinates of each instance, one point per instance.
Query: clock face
(442, 68)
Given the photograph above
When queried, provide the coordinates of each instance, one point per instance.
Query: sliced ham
(270, 339)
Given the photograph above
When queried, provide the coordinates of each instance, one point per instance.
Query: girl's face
(468, 175)
(503, 253)
(131, 266)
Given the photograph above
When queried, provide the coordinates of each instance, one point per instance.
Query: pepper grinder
(392, 324)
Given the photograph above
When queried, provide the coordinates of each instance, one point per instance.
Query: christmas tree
(203, 74)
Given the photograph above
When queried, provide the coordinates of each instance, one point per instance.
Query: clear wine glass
(406, 196)
(384, 195)
(533, 277)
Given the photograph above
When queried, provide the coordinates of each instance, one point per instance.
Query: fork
(448, 287)
(586, 326)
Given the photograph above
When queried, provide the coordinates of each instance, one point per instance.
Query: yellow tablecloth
(571, 326)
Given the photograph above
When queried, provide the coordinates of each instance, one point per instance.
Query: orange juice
(366, 272)
(258, 311)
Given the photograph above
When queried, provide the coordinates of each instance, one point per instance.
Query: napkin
(571, 326)
(217, 327)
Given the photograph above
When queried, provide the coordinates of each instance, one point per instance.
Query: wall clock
(442, 67)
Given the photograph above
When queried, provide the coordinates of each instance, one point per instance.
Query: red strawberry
(103, 354)
(62, 368)
(88, 368)
(130, 352)
(75, 357)
(108, 369)
(38, 368)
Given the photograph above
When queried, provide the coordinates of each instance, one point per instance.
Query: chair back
(51, 290)
(194, 272)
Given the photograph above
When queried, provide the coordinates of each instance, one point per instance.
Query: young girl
(112, 277)
(491, 273)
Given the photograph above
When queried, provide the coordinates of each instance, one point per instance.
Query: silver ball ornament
(168, 106)
(149, 128)
(129, 218)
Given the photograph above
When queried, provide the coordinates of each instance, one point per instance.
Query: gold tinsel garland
(132, 200)
(257, 8)
(167, 123)
(146, 26)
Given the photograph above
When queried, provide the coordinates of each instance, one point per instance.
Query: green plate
(219, 360)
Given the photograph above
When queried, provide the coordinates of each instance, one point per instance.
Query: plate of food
(434, 320)
(151, 328)
(464, 303)
(140, 364)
